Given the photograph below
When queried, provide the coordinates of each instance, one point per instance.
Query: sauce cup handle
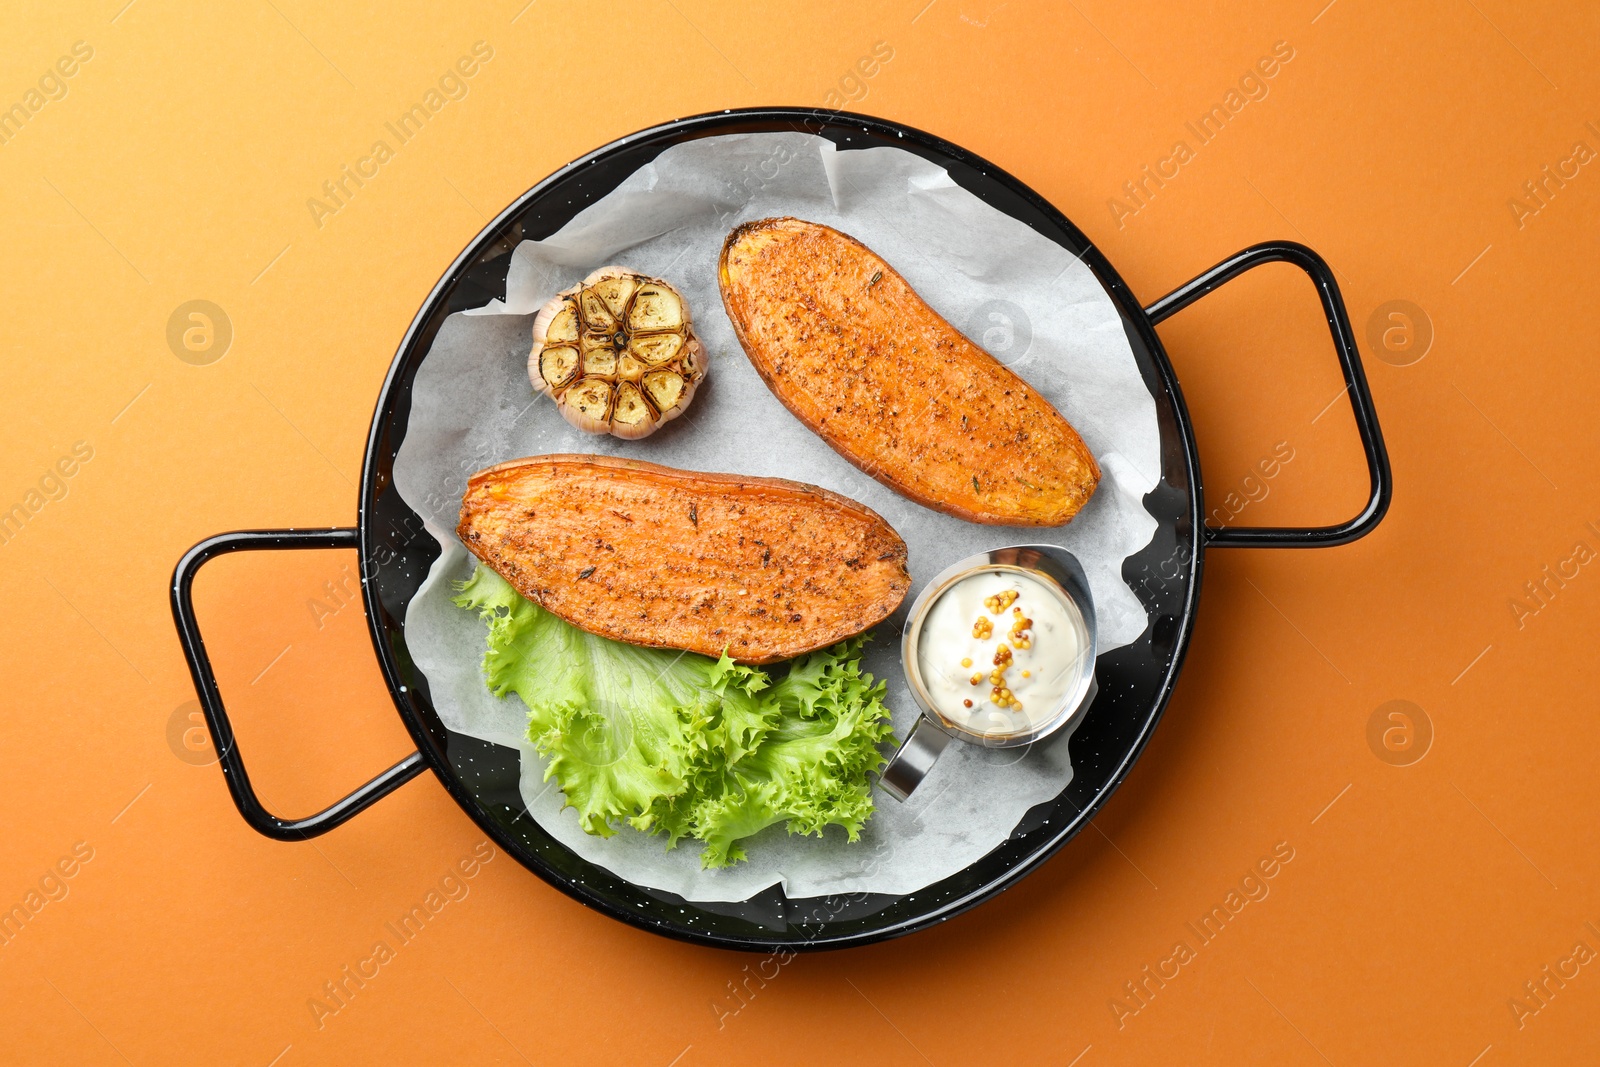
(911, 764)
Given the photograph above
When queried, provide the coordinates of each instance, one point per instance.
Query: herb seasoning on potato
(763, 569)
(862, 360)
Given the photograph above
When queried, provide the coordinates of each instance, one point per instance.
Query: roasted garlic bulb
(617, 353)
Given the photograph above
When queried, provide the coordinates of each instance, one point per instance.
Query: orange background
(1420, 898)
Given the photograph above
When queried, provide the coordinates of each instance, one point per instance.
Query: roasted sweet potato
(862, 360)
(763, 568)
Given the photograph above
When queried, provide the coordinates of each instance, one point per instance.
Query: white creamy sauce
(975, 626)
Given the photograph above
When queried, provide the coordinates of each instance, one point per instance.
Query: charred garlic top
(617, 353)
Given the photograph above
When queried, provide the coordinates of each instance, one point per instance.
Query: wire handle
(1355, 381)
(205, 686)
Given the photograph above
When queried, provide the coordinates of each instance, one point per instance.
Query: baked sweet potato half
(763, 568)
(862, 360)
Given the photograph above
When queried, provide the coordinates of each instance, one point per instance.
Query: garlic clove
(563, 328)
(631, 417)
(655, 308)
(655, 349)
(615, 292)
(665, 388)
(558, 366)
(629, 369)
(600, 362)
(596, 316)
(587, 405)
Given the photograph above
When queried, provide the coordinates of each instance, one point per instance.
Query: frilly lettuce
(684, 745)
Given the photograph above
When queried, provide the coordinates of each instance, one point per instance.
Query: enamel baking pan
(1136, 681)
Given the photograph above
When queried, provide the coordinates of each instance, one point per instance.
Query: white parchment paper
(1033, 305)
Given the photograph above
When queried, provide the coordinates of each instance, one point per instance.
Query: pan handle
(1355, 381)
(205, 685)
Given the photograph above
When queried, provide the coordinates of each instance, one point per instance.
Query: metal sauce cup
(1060, 572)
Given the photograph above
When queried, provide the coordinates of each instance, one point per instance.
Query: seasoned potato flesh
(759, 568)
(863, 361)
(594, 343)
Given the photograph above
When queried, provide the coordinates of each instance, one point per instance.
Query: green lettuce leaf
(684, 745)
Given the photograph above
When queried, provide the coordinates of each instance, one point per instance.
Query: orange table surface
(1440, 904)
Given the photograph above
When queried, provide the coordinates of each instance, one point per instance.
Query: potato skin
(864, 362)
(765, 568)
